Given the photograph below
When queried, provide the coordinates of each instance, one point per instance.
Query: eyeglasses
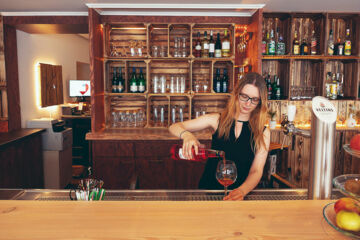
(245, 98)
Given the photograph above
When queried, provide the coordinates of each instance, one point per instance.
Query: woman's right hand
(190, 142)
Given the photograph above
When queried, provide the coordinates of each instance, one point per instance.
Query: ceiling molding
(44, 13)
(176, 6)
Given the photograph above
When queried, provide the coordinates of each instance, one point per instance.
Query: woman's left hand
(236, 194)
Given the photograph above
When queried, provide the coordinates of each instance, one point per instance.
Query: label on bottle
(280, 49)
(218, 53)
(225, 46)
(340, 50)
(224, 90)
(218, 86)
(133, 88)
(296, 49)
(272, 48)
(114, 89)
(347, 51)
(211, 47)
(120, 88)
(206, 46)
(263, 48)
(313, 47)
(198, 47)
(141, 88)
(331, 49)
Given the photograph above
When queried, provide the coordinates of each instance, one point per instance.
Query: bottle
(202, 156)
(269, 87)
(330, 45)
(313, 43)
(271, 43)
(225, 81)
(205, 46)
(263, 43)
(218, 47)
(197, 52)
(296, 46)
(333, 88)
(339, 48)
(133, 82)
(225, 45)
(211, 45)
(304, 50)
(267, 43)
(328, 85)
(114, 82)
(280, 47)
(340, 79)
(274, 87)
(217, 81)
(278, 89)
(120, 85)
(350, 122)
(141, 82)
(347, 45)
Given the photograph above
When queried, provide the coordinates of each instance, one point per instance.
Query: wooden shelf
(308, 57)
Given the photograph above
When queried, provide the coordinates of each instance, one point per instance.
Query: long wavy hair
(258, 116)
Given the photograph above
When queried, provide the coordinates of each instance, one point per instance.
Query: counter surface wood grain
(10, 137)
(301, 219)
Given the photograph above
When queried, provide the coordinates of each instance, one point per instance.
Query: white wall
(56, 49)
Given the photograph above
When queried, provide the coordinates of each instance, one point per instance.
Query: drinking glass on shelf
(132, 45)
(197, 112)
(162, 84)
(139, 49)
(173, 114)
(114, 119)
(155, 51)
(122, 118)
(155, 81)
(156, 115)
(197, 86)
(172, 84)
(163, 51)
(203, 110)
(178, 83)
(183, 47)
(176, 47)
(113, 51)
(205, 86)
(162, 115)
(181, 113)
(226, 173)
(182, 84)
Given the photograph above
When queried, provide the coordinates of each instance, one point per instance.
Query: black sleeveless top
(238, 150)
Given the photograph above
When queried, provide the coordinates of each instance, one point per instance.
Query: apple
(348, 220)
(355, 142)
(347, 204)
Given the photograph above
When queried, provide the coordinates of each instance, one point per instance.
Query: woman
(239, 131)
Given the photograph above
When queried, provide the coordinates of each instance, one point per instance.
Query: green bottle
(120, 83)
(141, 82)
(133, 82)
(114, 82)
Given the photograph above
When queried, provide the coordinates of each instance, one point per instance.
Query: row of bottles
(305, 48)
(209, 48)
(273, 45)
(137, 82)
(274, 89)
(334, 85)
(340, 47)
(221, 83)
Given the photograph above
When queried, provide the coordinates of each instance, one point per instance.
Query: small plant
(272, 115)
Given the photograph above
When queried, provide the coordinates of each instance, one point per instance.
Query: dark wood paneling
(96, 71)
(175, 19)
(155, 172)
(31, 153)
(51, 85)
(12, 78)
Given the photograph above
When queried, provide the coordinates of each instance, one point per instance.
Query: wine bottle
(218, 47)
(203, 154)
(263, 43)
(330, 45)
(114, 82)
(225, 81)
(205, 46)
(120, 84)
(217, 81)
(141, 82)
(211, 45)
(304, 47)
(347, 47)
(313, 43)
(133, 82)
(339, 48)
(225, 45)
(197, 52)
(296, 46)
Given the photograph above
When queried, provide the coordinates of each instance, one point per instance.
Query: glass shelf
(339, 182)
(352, 152)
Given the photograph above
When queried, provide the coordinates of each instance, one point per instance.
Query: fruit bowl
(348, 184)
(351, 151)
(330, 217)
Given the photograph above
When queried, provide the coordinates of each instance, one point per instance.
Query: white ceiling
(271, 5)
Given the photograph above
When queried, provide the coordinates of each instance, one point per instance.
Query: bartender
(239, 131)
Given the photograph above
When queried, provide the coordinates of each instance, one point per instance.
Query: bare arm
(184, 131)
(255, 173)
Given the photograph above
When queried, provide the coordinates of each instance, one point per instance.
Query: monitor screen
(79, 88)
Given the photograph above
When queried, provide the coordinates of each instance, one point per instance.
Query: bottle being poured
(202, 155)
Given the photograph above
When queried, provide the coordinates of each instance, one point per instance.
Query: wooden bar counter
(299, 219)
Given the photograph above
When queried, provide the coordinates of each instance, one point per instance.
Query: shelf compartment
(123, 37)
(109, 73)
(229, 65)
(168, 68)
(158, 36)
(156, 118)
(202, 76)
(179, 104)
(280, 69)
(179, 30)
(126, 104)
(129, 69)
(307, 73)
(349, 69)
(339, 23)
(281, 21)
(217, 28)
(304, 24)
(208, 104)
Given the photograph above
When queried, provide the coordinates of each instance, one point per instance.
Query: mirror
(51, 85)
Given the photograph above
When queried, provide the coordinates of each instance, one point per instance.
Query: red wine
(202, 156)
(226, 181)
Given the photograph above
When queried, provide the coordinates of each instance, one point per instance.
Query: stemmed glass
(226, 173)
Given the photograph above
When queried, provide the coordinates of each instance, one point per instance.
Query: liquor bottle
(211, 45)
(120, 85)
(296, 46)
(313, 43)
(205, 46)
(269, 87)
(218, 47)
(271, 43)
(277, 89)
(274, 88)
(225, 45)
(267, 43)
(347, 45)
(202, 156)
(339, 48)
(330, 45)
(217, 81)
(328, 85)
(304, 50)
(280, 46)
(340, 79)
(197, 52)
(133, 82)
(263, 43)
(141, 82)
(225, 81)
(114, 82)
(334, 87)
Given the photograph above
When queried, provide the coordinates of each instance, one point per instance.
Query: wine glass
(226, 173)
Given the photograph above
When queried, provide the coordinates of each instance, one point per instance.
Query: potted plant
(272, 123)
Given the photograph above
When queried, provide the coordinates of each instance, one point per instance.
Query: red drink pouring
(202, 156)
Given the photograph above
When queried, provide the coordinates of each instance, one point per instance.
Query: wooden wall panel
(254, 48)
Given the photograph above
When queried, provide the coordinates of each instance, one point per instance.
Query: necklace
(241, 121)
